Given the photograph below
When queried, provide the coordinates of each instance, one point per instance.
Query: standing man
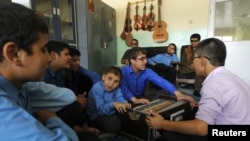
(186, 69)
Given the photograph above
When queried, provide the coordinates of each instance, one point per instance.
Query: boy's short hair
(134, 52)
(74, 52)
(57, 46)
(115, 70)
(22, 28)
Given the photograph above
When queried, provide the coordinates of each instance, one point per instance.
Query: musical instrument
(144, 25)
(128, 27)
(160, 34)
(137, 18)
(151, 18)
(90, 6)
(135, 126)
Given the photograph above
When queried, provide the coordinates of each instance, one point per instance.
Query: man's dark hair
(196, 35)
(57, 46)
(74, 52)
(20, 25)
(134, 52)
(134, 40)
(214, 50)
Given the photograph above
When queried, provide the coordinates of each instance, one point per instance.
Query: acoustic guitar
(137, 18)
(128, 27)
(160, 34)
(144, 25)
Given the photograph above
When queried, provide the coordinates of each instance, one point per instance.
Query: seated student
(106, 101)
(24, 58)
(162, 63)
(136, 76)
(79, 79)
(60, 60)
(125, 57)
(223, 95)
(186, 68)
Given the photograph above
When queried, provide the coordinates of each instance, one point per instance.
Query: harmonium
(134, 124)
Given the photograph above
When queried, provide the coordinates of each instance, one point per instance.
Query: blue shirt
(48, 96)
(16, 117)
(163, 58)
(135, 84)
(95, 77)
(100, 101)
(55, 78)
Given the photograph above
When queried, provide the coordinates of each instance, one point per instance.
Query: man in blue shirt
(24, 58)
(136, 76)
(162, 63)
(78, 78)
(60, 60)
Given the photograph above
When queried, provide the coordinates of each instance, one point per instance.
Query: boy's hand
(43, 115)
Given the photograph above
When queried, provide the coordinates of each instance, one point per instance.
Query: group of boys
(35, 110)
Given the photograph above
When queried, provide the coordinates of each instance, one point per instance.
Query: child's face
(34, 65)
(61, 61)
(111, 81)
(75, 63)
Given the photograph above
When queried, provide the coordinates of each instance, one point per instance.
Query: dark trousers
(168, 73)
(109, 124)
(74, 114)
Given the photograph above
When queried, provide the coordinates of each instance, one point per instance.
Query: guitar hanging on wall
(160, 34)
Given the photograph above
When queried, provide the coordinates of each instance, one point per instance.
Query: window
(230, 20)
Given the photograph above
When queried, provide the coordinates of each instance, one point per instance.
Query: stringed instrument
(128, 27)
(126, 23)
(90, 6)
(137, 18)
(144, 25)
(160, 34)
(151, 18)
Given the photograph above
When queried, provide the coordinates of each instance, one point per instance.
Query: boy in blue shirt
(136, 77)
(106, 100)
(24, 57)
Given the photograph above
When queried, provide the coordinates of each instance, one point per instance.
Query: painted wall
(182, 17)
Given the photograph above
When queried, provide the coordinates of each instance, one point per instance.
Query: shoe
(197, 93)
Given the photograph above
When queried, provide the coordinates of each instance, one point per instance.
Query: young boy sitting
(106, 100)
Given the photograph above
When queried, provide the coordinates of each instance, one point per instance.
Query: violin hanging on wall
(128, 27)
(151, 18)
(144, 25)
(137, 18)
(160, 34)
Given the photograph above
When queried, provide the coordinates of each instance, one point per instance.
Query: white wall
(238, 59)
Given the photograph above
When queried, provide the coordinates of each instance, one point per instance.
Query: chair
(176, 65)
